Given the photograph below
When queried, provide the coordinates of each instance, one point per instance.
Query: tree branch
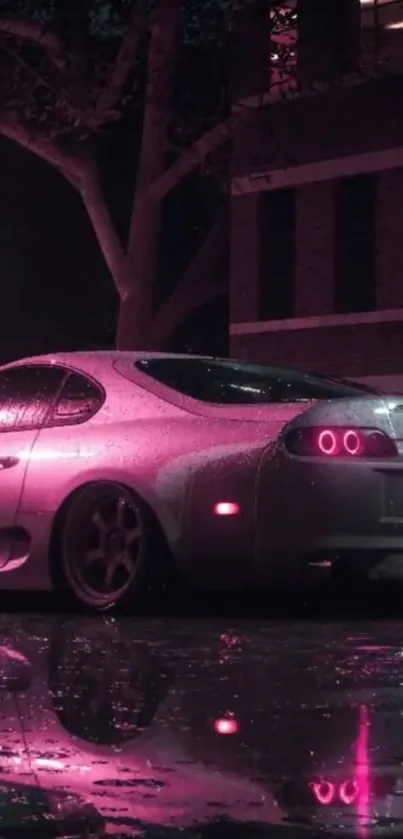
(205, 279)
(28, 30)
(41, 146)
(105, 232)
(157, 114)
(197, 152)
(211, 140)
(112, 91)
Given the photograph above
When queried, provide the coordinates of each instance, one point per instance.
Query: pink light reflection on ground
(226, 508)
(226, 725)
(348, 792)
(362, 772)
(324, 792)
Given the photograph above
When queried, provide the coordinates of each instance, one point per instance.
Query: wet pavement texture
(202, 727)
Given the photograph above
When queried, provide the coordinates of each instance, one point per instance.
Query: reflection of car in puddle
(15, 670)
(351, 794)
(157, 731)
(100, 719)
(32, 810)
(326, 740)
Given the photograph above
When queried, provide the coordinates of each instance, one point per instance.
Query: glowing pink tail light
(226, 725)
(226, 508)
(352, 442)
(338, 441)
(327, 442)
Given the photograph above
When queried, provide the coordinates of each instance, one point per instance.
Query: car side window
(78, 401)
(26, 395)
(237, 383)
(213, 381)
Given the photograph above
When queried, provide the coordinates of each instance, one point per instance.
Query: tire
(109, 547)
(347, 577)
(105, 685)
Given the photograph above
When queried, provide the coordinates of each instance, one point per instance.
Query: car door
(27, 393)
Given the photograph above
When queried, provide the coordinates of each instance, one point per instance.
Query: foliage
(57, 91)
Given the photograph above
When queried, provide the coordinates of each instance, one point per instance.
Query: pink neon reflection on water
(348, 792)
(324, 792)
(226, 725)
(226, 508)
(362, 778)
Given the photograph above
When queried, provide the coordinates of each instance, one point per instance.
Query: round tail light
(328, 443)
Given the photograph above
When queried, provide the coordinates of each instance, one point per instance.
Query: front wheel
(108, 546)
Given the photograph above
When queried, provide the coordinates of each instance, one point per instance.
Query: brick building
(317, 193)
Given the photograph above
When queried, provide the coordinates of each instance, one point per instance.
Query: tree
(67, 79)
(70, 71)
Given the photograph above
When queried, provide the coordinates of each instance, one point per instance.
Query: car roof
(98, 362)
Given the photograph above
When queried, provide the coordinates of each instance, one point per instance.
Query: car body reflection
(148, 725)
(28, 809)
(101, 718)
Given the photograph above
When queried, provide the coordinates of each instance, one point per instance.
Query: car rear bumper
(320, 510)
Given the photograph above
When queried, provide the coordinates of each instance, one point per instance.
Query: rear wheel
(349, 575)
(108, 546)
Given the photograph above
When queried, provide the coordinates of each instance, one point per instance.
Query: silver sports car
(114, 465)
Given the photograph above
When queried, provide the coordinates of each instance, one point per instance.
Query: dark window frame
(277, 226)
(354, 255)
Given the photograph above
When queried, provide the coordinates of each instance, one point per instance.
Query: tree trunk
(136, 312)
(134, 324)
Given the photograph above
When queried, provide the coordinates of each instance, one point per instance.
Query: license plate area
(393, 497)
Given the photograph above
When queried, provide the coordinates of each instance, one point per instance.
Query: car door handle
(8, 462)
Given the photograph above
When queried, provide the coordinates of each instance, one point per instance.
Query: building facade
(317, 197)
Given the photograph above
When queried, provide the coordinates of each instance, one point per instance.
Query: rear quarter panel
(179, 461)
(173, 463)
(136, 454)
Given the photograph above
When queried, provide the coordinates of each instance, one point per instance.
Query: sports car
(115, 466)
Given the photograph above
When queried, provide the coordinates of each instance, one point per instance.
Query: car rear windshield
(236, 383)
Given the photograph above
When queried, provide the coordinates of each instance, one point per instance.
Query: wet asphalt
(209, 717)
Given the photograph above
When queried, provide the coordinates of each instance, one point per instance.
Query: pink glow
(226, 725)
(42, 454)
(352, 442)
(348, 792)
(226, 508)
(327, 442)
(362, 772)
(47, 763)
(324, 792)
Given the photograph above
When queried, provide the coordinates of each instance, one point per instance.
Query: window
(233, 383)
(26, 394)
(79, 400)
(277, 218)
(354, 258)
